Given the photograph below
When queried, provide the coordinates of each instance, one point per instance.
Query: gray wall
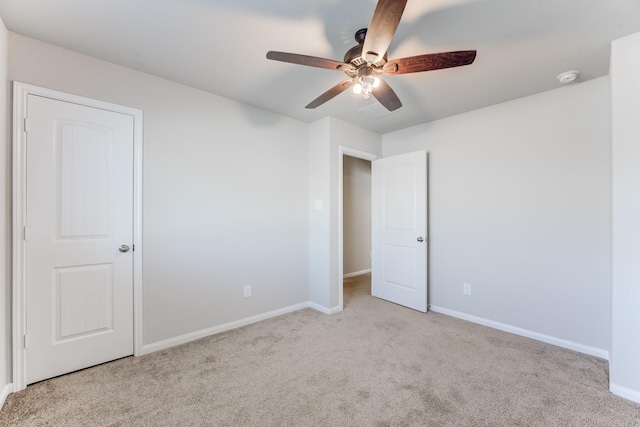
(5, 218)
(326, 136)
(625, 342)
(519, 197)
(519, 204)
(224, 188)
(356, 219)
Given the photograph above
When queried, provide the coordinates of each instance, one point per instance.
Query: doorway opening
(354, 217)
(399, 255)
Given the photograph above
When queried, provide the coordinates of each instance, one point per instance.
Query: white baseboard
(625, 392)
(357, 273)
(6, 391)
(323, 309)
(183, 339)
(598, 352)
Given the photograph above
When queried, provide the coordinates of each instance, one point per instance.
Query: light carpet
(374, 364)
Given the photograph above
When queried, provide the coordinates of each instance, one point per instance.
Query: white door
(399, 226)
(79, 211)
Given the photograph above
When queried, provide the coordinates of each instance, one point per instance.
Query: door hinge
(24, 233)
(25, 125)
(25, 340)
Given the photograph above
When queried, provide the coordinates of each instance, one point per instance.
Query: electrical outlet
(467, 289)
(247, 291)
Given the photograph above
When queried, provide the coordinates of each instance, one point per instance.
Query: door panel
(84, 173)
(79, 210)
(83, 301)
(399, 266)
(399, 220)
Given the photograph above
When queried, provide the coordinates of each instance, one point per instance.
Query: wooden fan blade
(429, 62)
(381, 29)
(386, 96)
(336, 90)
(310, 61)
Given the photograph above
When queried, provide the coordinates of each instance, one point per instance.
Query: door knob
(420, 239)
(123, 248)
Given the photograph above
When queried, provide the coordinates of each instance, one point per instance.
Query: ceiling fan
(364, 63)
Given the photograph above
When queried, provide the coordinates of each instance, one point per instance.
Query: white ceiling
(219, 46)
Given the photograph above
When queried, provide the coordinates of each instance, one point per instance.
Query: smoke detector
(568, 76)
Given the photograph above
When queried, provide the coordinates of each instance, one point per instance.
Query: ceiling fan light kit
(363, 64)
(366, 81)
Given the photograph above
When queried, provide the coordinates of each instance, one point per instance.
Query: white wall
(225, 192)
(326, 136)
(5, 224)
(356, 215)
(519, 199)
(625, 336)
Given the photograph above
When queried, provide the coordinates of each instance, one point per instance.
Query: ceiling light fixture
(366, 81)
(568, 76)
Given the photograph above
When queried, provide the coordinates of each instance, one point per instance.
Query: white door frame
(19, 307)
(345, 151)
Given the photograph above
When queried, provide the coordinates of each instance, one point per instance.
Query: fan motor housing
(354, 55)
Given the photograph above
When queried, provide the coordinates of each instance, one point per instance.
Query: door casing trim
(19, 308)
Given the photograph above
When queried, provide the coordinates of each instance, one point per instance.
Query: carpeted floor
(374, 364)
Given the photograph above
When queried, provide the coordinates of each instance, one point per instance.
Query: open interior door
(399, 226)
